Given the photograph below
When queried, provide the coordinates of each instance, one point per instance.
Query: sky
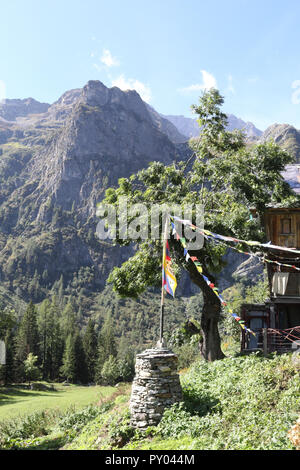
(168, 50)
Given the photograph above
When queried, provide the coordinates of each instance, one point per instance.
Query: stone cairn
(156, 386)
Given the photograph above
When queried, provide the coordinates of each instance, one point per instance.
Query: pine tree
(90, 349)
(81, 370)
(106, 347)
(68, 321)
(27, 340)
(51, 340)
(60, 292)
(108, 338)
(126, 363)
(42, 319)
(68, 368)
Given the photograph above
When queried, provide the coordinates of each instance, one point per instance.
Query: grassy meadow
(19, 400)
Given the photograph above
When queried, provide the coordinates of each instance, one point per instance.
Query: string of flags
(199, 268)
(221, 238)
(253, 255)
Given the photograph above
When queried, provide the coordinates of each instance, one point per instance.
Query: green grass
(58, 428)
(238, 403)
(18, 400)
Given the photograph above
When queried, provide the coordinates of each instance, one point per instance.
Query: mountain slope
(54, 168)
(285, 135)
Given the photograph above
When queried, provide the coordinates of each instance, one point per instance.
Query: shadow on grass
(200, 406)
(10, 395)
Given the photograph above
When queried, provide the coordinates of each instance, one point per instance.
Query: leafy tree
(32, 371)
(227, 177)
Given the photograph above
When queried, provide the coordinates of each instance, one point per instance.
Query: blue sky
(169, 50)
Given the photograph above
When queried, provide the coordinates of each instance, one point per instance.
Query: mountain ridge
(55, 166)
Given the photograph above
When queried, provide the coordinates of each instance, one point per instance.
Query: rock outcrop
(56, 163)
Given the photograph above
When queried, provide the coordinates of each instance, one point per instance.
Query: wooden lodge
(277, 321)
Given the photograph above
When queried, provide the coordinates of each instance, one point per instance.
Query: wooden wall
(283, 227)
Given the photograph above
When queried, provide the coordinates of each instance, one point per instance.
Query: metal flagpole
(161, 343)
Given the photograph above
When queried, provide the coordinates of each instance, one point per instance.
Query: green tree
(31, 370)
(68, 321)
(106, 347)
(110, 371)
(126, 360)
(68, 368)
(227, 177)
(81, 370)
(90, 348)
(27, 338)
(51, 341)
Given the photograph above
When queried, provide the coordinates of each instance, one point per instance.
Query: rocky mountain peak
(11, 109)
(285, 135)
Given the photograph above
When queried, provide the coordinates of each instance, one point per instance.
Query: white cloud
(2, 91)
(108, 60)
(209, 82)
(296, 93)
(133, 84)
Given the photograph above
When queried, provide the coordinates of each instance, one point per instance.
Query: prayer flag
(169, 279)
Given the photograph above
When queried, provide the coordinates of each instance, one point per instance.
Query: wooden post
(265, 341)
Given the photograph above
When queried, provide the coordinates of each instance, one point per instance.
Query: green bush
(30, 426)
(241, 403)
(120, 430)
(256, 401)
(74, 420)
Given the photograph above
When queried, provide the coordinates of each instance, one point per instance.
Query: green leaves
(137, 273)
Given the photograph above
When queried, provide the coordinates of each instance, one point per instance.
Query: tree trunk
(211, 345)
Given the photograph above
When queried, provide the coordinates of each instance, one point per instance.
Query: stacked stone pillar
(156, 386)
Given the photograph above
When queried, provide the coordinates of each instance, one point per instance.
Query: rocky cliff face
(288, 137)
(10, 110)
(55, 165)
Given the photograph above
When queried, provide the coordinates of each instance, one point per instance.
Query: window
(286, 226)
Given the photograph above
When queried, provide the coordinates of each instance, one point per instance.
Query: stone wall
(156, 386)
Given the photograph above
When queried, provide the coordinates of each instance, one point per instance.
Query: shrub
(74, 420)
(120, 430)
(33, 425)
